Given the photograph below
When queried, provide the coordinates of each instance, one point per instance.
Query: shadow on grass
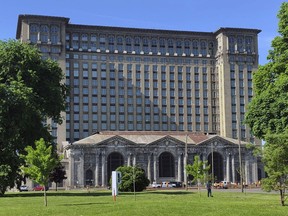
(94, 193)
(81, 204)
(50, 194)
(171, 192)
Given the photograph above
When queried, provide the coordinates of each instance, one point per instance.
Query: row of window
(139, 44)
(77, 134)
(137, 59)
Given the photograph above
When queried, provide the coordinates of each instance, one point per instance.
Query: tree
(130, 173)
(267, 112)
(30, 91)
(39, 163)
(58, 174)
(199, 171)
(276, 164)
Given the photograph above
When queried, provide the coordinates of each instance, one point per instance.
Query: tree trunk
(45, 196)
(282, 197)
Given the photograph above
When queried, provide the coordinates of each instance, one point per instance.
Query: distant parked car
(156, 185)
(225, 184)
(176, 184)
(40, 188)
(23, 188)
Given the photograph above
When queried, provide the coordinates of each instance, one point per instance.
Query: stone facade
(162, 155)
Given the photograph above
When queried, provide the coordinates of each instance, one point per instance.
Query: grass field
(160, 202)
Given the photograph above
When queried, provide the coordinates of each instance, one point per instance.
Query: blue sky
(188, 15)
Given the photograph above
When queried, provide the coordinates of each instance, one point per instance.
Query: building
(161, 155)
(129, 79)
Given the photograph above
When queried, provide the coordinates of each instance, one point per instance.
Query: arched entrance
(114, 161)
(166, 165)
(217, 166)
(89, 177)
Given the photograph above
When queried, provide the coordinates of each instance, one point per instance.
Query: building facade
(161, 155)
(126, 79)
(148, 81)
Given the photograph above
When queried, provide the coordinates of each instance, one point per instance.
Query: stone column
(71, 170)
(179, 168)
(184, 168)
(129, 159)
(233, 168)
(149, 169)
(103, 170)
(97, 171)
(254, 171)
(247, 174)
(134, 160)
(228, 167)
(81, 171)
(155, 167)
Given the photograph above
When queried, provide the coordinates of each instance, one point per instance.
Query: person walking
(209, 188)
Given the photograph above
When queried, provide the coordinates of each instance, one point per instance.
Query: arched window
(33, 36)
(195, 48)
(120, 44)
(55, 32)
(111, 43)
(166, 165)
(115, 160)
(44, 31)
(128, 44)
(203, 48)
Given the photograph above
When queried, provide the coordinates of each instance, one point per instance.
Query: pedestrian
(209, 190)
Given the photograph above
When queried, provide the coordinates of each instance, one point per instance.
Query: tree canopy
(30, 92)
(39, 163)
(199, 170)
(268, 111)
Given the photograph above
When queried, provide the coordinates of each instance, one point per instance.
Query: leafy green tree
(199, 170)
(276, 164)
(39, 163)
(268, 111)
(58, 174)
(130, 173)
(30, 91)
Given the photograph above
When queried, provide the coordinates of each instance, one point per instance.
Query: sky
(186, 15)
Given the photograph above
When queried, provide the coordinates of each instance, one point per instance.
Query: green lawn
(161, 202)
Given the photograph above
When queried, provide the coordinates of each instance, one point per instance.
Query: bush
(127, 180)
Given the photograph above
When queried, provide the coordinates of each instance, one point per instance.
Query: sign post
(116, 180)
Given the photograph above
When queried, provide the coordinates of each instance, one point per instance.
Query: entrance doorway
(115, 160)
(217, 166)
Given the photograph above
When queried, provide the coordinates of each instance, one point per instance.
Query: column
(155, 168)
(179, 168)
(71, 170)
(149, 169)
(184, 167)
(129, 159)
(97, 171)
(233, 168)
(134, 160)
(103, 170)
(247, 174)
(228, 167)
(81, 171)
(254, 171)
